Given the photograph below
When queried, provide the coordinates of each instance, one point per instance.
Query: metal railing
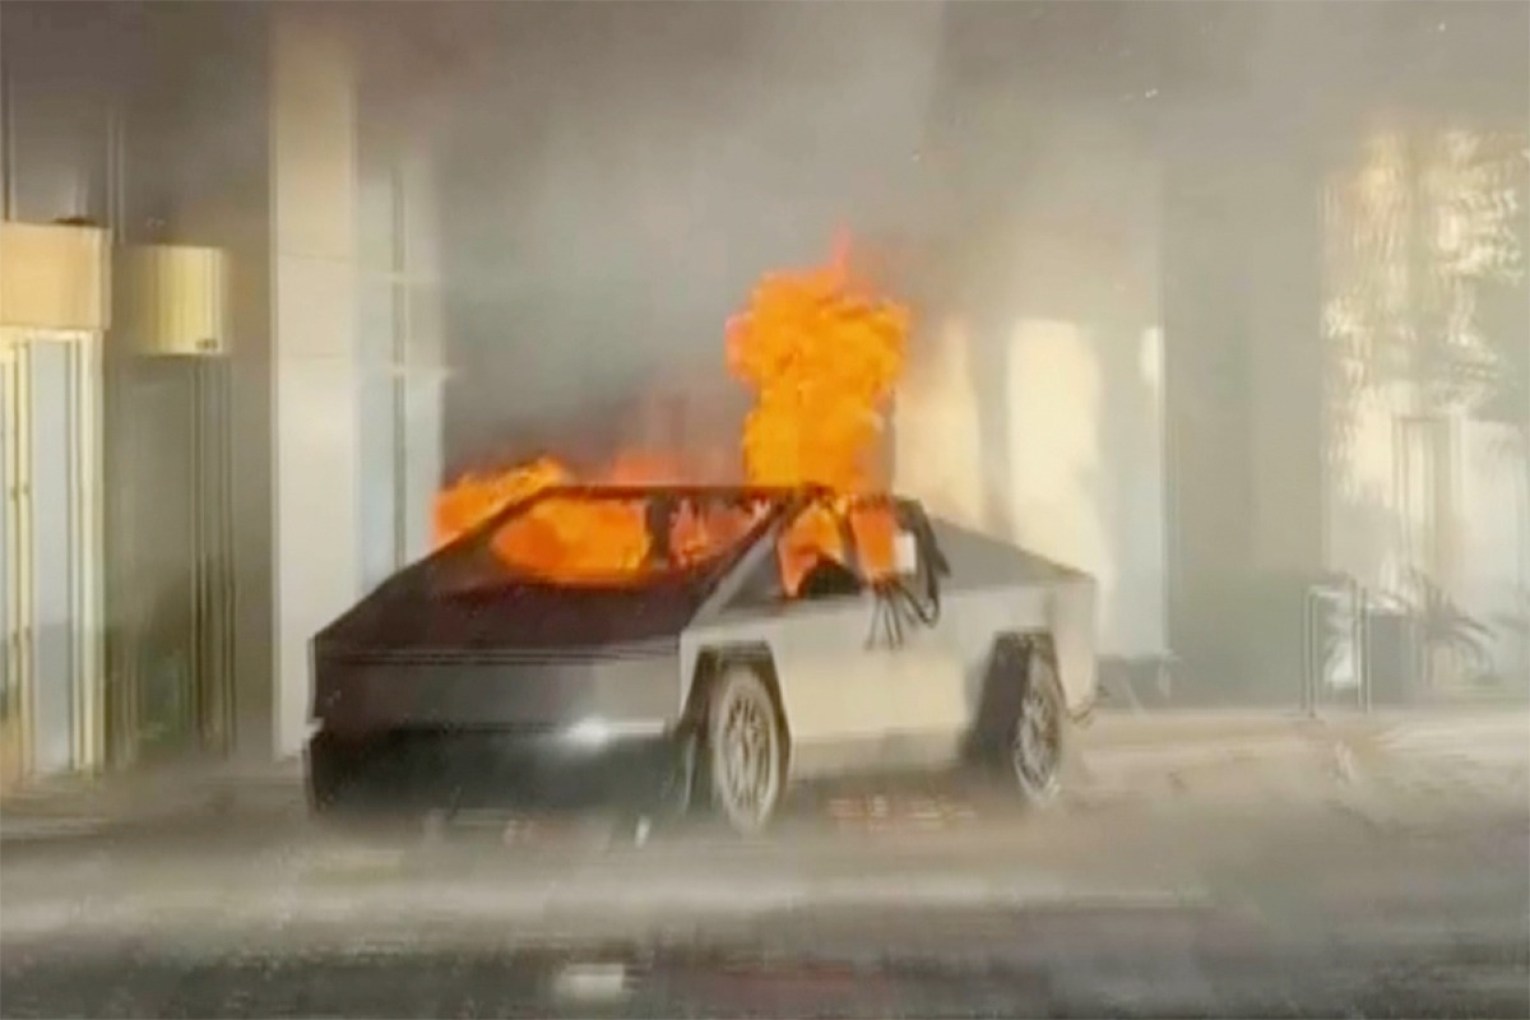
(1336, 615)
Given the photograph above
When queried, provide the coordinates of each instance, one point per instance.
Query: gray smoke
(621, 175)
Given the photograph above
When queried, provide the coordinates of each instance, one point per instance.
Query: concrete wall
(400, 336)
(233, 127)
(58, 110)
(196, 155)
(1033, 410)
(357, 338)
(316, 422)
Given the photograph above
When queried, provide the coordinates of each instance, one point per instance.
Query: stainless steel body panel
(850, 701)
(997, 589)
(423, 653)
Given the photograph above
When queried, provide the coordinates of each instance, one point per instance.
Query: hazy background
(1109, 218)
(618, 177)
(1220, 302)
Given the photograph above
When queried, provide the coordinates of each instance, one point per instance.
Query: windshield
(596, 539)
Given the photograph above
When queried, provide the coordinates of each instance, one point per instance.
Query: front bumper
(422, 769)
(357, 691)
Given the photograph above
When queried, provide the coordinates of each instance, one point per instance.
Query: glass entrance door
(49, 457)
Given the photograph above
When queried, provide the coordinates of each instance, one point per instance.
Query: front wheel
(745, 748)
(331, 763)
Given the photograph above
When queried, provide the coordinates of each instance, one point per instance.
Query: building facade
(1219, 302)
(248, 433)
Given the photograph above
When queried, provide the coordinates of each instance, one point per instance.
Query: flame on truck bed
(822, 352)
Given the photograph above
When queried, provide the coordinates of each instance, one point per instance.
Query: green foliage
(1425, 272)
(1443, 625)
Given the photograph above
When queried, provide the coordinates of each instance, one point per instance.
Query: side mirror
(906, 554)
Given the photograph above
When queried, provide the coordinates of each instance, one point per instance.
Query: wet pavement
(1349, 880)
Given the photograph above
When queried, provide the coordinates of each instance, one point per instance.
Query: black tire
(746, 749)
(1036, 738)
(679, 785)
(329, 767)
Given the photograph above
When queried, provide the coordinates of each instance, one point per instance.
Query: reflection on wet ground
(1290, 888)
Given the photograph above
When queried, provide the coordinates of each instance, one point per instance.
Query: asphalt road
(1289, 891)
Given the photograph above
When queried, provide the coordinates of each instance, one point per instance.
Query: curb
(39, 817)
(1116, 751)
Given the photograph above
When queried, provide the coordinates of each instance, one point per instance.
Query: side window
(815, 555)
(838, 549)
(828, 577)
(828, 550)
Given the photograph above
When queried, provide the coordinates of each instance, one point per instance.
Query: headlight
(589, 733)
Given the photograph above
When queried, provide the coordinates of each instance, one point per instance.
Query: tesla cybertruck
(463, 679)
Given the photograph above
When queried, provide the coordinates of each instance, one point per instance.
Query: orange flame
(822, 352)
(577, 540)
(474, 497)
(695, 535)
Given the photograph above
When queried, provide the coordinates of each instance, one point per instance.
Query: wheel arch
(1009, 655)
(1026, 643)
(711, 663)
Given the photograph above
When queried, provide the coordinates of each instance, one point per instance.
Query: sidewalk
(82, 805)
(1120, 755)
(1471, 750)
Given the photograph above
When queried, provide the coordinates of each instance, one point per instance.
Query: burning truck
(719, 640)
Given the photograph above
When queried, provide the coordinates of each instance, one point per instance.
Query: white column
(424, 366)
(1032, 409)
(316, 422)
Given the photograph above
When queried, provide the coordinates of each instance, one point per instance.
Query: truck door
(922, 708)
(865, 680)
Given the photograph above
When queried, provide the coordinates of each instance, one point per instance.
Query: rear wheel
(745, 749)
(1037, 734)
